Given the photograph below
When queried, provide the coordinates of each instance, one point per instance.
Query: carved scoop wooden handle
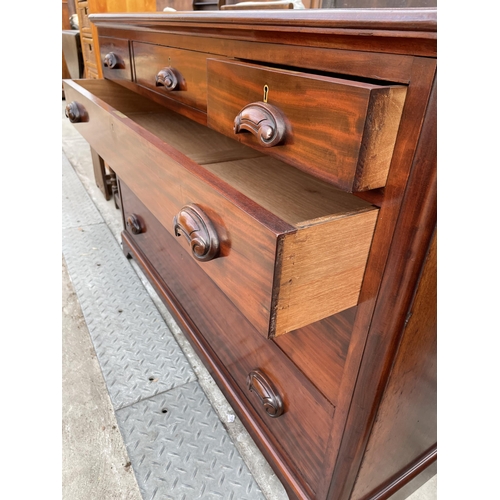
(169, 78)
(76, 113)
(264, 121)
(269, 397)
(197, 228)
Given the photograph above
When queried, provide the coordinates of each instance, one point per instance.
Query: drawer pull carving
(76, 112)
(269, 397)
(134, 224)
(197, 228)
(169, 78)
(111, 61)
(263, 120)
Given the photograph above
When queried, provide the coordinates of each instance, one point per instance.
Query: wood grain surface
(168, 180)
(279, 282)
(408, 221)
(119, 47)
(319, 345)
(191, 66)
(353, 364)
(407, 417)
(322, 270)
(338, 130)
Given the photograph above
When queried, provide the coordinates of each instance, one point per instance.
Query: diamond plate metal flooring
(138, 354)
(182, 450)
(77, 207)
(184, 453)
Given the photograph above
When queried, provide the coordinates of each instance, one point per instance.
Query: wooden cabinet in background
(65, 26)
(88, 32)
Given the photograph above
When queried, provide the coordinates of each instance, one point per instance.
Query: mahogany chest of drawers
(277, 176)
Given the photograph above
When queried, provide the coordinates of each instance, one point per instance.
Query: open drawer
(342, 131)
(286, 248)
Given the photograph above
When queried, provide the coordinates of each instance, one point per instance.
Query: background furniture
(72, 52)
(279, 191)
(88, 33)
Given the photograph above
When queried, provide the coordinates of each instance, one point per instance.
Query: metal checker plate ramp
(77, 207)
(180, 450)
(138, 354)
(185, 453)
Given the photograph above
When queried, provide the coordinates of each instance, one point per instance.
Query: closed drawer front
(303, 428)
(339, 130)
(174, 73)
(285, 248)
(115, 58)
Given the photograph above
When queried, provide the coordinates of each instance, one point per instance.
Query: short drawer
(286, 248)
(303, 427)
(115, 58)
(174, 73)
(339, 130)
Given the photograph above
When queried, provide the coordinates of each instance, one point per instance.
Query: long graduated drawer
(286, 248)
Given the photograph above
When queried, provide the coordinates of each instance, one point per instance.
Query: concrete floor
(95, 460)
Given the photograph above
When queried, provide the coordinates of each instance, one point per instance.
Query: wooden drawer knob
(111, 60)
(134, 224)
(76, 112)
(264, 121)
(197, 228)
(269, 397)
(169, 78)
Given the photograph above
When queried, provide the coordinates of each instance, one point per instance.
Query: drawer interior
(296, 197)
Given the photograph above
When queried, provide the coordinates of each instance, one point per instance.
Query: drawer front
(174, 73)
(303, 429)
(341, 131)
(115, 58)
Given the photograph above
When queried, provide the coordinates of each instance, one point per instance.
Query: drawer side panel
(322, 270)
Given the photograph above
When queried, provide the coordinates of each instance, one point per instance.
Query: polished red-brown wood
(115, 56)
(414, 210)
(284, 265)
(406, 418)
(353, 362)
(319, 345)
(342, 131)
(187, 68)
